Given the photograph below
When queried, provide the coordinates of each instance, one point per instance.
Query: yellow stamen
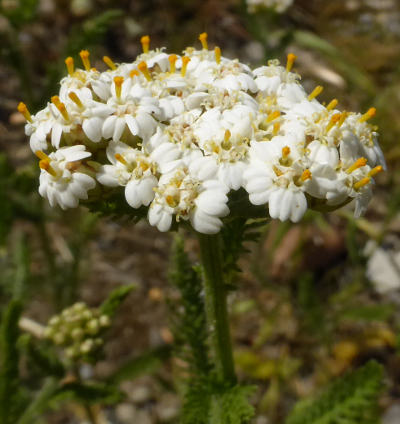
(74, 97)
(25, 112)
(362, 183)
(316, 92)
(70, 65)
(172, 60)
(226, 144)
(60, 106)
(277, 127)
(285, 152)
(359, 163)
(121, 159)
(134, 73)
(145, 40)
(185, 61)
(332, 104)
(172, 201)
(118, 81)
(56, 100)
(41, 155)
(333, 121)
(290, 61)
(144, 70)
(343, 118)
(84, 54)
(109, 62)
(203, 39)
(306, 175)
(277, 171)
(375, 171)
(45, 164)
(217, 53)
(273, 115)
(370, 113)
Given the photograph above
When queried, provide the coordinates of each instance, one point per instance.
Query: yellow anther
(226, 144)
(332, 104)
(217, 53)
(273, 115)
(172, 60)
(60, 106)
(74, 97)
(185, 61)
(70, 65)
(144, 70)
(359, 163)
(343, 117)
(290, 61)
(109, 62)
(306, 175)
(118, 81)
(375, 171)
(121, 159)
(277, 127)
(277, 171)
(316, 92)
(84, 54)
(285, 152)
(370, 113)
(41, 155)
(172, 201)
(363, 182)
(134, 73)
(333, 121)
(25, 112)
(63, 110)
(56, 100)
(45, 164)
(203, 39)
(145, 40)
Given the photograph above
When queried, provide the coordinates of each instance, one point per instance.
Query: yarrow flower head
(175, 135)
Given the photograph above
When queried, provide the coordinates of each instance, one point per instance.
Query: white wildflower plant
(175, 137)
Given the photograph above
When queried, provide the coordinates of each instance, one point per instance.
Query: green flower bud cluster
(78, 329)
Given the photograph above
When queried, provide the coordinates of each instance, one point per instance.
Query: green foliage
(23, 12)
(10, 394)
(351, 400)
(40, 403)
(189, 322)
(231, 406)
(88, 393)
(146, 363)
(234, 234)
(43, 357)
(114, 300)
(92, 31)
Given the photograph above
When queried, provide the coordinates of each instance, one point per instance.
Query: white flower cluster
(279, 6)
(179, 133)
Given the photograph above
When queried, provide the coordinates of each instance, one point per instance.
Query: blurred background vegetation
(314, 299)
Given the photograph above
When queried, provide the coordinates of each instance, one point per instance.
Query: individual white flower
(133, 107)
(80, 103)
(277, 174)
(137, 170)
(203, 203)
(63, 180)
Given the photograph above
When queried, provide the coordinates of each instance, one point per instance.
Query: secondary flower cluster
(78, 329)
(179, 133)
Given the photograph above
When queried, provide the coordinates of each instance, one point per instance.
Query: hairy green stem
(216, 307)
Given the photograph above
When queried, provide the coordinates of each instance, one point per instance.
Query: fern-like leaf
(353, 399)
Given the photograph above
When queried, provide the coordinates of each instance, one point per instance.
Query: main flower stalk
(216, 307)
